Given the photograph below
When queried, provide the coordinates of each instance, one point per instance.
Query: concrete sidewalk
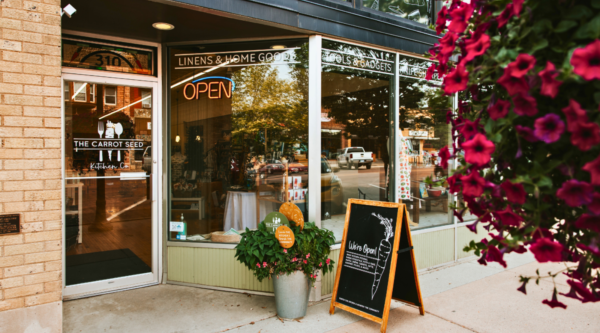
(466, 297)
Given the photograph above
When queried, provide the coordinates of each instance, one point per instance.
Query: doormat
(90, 267)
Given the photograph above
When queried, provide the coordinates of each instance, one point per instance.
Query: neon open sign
(214, 89)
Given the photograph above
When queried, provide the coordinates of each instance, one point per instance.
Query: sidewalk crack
(450, 321)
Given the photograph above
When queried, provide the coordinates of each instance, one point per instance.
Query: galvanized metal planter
(291, 295)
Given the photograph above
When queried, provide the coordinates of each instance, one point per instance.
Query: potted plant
(293, 270)
(436, 187)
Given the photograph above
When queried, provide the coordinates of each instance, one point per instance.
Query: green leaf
(597, 97)
(542, 25)
(578, 12)
(545, 182)
(565, 25)
(543, 43)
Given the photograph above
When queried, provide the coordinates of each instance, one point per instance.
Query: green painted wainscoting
(212, 267)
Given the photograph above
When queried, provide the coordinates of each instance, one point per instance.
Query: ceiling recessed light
(163, 26)
(278, 47)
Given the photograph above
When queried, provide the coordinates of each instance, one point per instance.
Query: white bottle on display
(182, 235)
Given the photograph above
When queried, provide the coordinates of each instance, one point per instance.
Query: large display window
(238, 136)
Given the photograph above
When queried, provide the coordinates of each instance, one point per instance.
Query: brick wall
(30, 139)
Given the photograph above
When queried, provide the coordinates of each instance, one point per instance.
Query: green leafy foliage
(260, 251)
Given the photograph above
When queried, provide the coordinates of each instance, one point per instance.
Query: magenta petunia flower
(499, 110)
(523, 64)
(430, 72)
(576, 193)
(586, 61)
(585, 294)
(549, 128)
(515, 192)
(549, 83)
(477, 48)
(468, 128)
(594, 207)
(444, 155)
(517, 6)
(554, 303)
(442, 19)
(508, 217)
(506, 14)
(460, 17)
(587, 221)
(575, 115)
(585, 136)
(513, 84)
(456, 81)
(593, 168)
(590, 248)
(454, 183)
(526, 133)
(478, 150)
(493, 254)
(547, 250)
(473, 184)
(525, 104)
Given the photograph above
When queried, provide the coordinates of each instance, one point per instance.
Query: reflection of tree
(263, 100)
(364, 111)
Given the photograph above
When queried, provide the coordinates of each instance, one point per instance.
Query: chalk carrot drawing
(384, 252)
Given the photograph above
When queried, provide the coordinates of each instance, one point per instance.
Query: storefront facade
(184, 125)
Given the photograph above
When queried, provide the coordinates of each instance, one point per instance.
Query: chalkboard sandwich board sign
(377, 262)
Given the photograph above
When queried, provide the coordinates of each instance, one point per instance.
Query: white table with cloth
(240, 210)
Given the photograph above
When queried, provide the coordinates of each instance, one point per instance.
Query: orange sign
(285, 236)
(293, 214)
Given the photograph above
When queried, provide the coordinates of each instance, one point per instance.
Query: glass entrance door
(110, 224)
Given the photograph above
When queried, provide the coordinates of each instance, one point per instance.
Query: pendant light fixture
(177, 138)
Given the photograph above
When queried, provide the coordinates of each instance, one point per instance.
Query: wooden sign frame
(401, 222)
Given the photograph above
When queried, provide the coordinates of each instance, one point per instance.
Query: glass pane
(415, 10)
(108, 195)
(354, 129)
(239, 133)
(421, 182)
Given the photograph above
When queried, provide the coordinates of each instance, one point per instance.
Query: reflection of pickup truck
(354, 156)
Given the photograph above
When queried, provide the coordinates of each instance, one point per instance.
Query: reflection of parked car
(271, 166)
(332, 197)
(297, 167)
(354, 156)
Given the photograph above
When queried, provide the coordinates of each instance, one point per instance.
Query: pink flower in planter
(477, 48)
(473, 184)
(468, 128)
(576, 193)
(499, 110)
(525, 104)
(264, 264)
(526, 133)
(308, 256)
(594, 207)
(549, 83)
(511, 83)
(444, 154)
(587, 221)
(327, 261)
(593, 168)
(586, 61)
(284, 251)
(547, 250)
(549, 128)
(478, 150)
(515, 192)
(460, 17)
(493, 254)
(585, 136)
(456, 81)
(258, 265)
(320, 264)
(305, 262)
(575, 115)
(508, 217)
(522, 65)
